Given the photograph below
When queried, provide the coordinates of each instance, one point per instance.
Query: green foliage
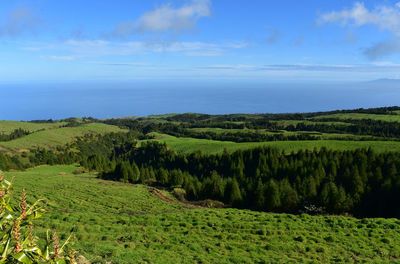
(18, 243)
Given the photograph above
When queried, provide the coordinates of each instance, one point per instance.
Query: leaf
(22, 257)
(4, 253)
(60, 261)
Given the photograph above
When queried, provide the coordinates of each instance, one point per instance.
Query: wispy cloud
(165, 18)
(299, 41)
(382, 16)
(375, 67)
(100, 48)
(21, 20)
(273, 36)
(61, 58)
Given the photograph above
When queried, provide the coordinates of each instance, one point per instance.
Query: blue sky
(257, 40)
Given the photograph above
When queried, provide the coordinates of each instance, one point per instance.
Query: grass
(284, 132)
(387, 118)
(188, 145)
(51, 138)
(7, 127)
(125, 223)
(308, 122)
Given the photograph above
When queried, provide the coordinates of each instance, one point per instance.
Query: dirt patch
(23, 150)
(162, 196)
(159, 136)
(62, 173)
(189, 205)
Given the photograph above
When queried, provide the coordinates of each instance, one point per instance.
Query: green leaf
(22, 257)
(4, 253)
(60, 261)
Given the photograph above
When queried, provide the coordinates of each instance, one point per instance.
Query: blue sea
(114, 99)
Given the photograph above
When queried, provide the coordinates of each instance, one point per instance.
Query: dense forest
(360, 182)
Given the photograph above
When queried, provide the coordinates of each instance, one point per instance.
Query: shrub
(18, 243)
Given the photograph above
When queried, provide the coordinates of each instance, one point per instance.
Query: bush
(18, 243)
(180, 194)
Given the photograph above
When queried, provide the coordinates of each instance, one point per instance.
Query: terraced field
(125, 223)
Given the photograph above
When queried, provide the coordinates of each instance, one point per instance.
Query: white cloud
(384, 17)
(165, 18)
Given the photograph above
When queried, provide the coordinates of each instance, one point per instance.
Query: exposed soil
(190, 205)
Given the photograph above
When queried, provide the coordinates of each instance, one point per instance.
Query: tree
(214, 187)
(272, 196)
(232, 193)
(259, 196)
(135, 173)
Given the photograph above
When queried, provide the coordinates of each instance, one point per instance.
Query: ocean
(106, 100)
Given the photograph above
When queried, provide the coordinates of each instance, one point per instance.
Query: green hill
(7, 127)
(188, 145)
(125, 223)
(54, 136)
(358, 116)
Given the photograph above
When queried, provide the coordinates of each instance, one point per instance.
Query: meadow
(358, 116)
(125, 223)
(188, 145)
(7, 127)
(53, 135)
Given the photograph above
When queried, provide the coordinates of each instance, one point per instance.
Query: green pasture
(51, 138)
(346, 116)
(123, 223)
(284, 132)
(7, 127)
(189, 145)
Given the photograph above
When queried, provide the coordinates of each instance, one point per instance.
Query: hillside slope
(56, 136)
(125, 223)
(189, 145)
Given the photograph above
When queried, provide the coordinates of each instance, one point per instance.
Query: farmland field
(125, 223)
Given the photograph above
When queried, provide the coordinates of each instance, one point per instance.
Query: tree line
(17, 133)
(359, 182)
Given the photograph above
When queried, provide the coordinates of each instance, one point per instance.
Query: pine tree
(232, 193)
(272, 196)
(259, 196)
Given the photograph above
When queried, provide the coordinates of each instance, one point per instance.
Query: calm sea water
(45, 101)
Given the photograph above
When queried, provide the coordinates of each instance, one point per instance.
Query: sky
(212, 40)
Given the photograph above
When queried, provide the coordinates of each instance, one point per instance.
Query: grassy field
(7, 127)
(284, 132)
(125, 223)
(387, 118)
(55, 137)
(188, 145)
